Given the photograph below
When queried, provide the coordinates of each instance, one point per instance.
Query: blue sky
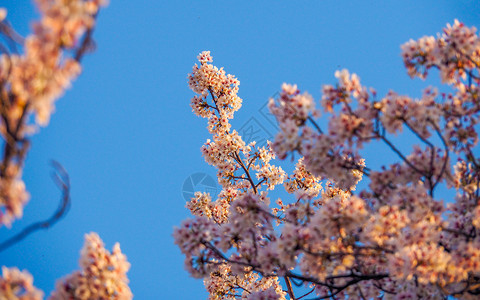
(126, 134)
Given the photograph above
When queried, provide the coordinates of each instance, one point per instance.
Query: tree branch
(61, 179)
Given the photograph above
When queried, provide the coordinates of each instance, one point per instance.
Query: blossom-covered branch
(391, 237)
(31, 82)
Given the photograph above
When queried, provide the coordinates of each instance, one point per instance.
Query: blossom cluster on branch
(103, 276)
(18, 285)
(30, 83)
(392, 237)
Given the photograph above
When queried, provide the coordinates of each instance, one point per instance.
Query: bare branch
(61, 179)
(383, 138)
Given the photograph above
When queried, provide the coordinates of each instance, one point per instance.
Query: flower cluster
(223, 284)
(16, 285)
(455, 53)
(293, 110)
(13, 197)
(303, 183)
(103, 274)
(207, 80)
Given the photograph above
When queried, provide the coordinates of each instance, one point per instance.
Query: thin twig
(240, 162)
(315, 125)
(447, 153)
(383, 138)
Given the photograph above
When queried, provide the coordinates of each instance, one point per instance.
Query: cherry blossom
(18, 285)
(348, 231)
(103, 274)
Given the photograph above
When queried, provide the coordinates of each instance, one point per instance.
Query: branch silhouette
(62, 180)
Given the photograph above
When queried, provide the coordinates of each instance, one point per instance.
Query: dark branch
(87, 43)
(61, 179)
